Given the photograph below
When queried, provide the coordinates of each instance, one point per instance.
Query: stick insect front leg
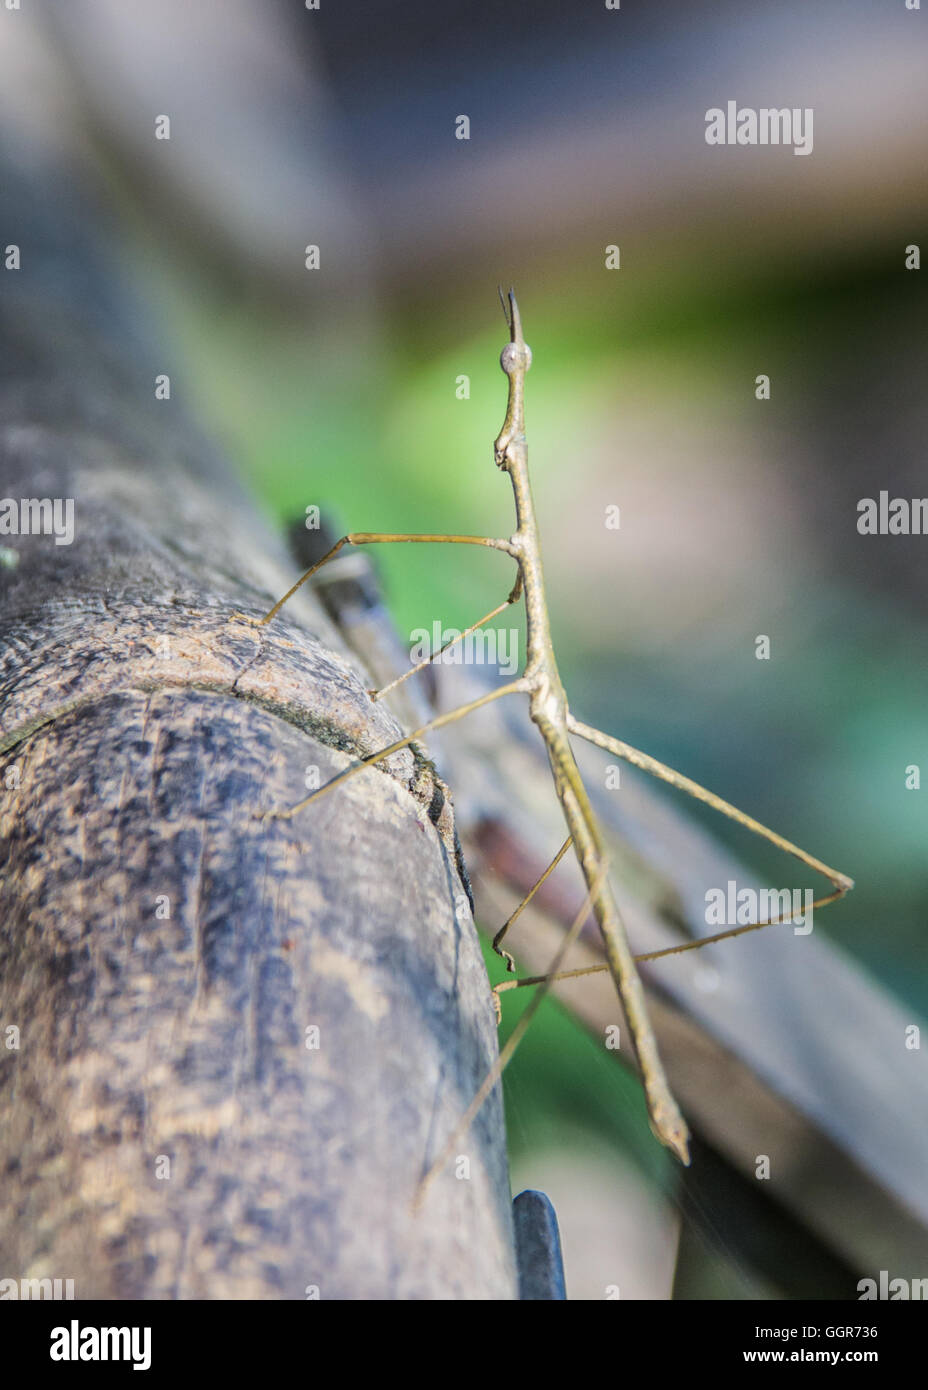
(380, 538)
(394, 538)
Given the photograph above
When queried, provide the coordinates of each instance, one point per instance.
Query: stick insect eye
(515, 355)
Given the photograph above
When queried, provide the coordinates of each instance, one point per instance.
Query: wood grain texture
(142, 727)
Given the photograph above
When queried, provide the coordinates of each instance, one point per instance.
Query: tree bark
(168, 1126)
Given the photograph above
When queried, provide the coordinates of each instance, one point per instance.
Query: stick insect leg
(510, 963)
(421, 665)
(840, 882)
(695, 945)
(512, 688)
(379, 538)
(506, 1053)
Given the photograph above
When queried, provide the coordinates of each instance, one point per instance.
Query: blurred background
(339, 387)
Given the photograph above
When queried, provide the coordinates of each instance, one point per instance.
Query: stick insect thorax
(549, 711)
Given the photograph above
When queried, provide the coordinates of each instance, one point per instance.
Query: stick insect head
(515, 360)
(516, 355)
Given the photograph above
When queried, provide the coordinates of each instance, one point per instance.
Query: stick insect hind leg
(841, 884)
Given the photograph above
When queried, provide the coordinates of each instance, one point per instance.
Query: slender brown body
(548, 708)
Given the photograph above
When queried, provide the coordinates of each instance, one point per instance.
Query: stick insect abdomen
(666, 1121)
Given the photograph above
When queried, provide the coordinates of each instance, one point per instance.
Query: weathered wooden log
(231, 1045)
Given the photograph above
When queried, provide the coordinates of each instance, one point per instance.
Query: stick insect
(550, 712)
